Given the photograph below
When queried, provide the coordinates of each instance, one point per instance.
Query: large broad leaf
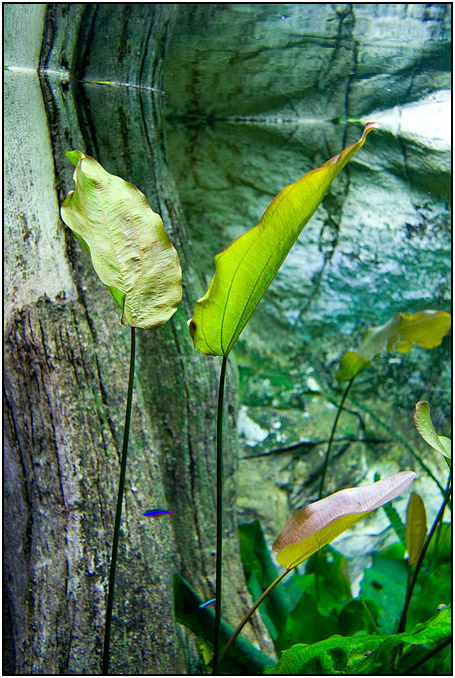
(126, 241)
(425, 427)
(416, 528)
(374, 655)
(385, 584)
(247, 267)
(317, 524)
(425, 328)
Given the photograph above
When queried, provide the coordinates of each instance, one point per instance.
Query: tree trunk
(66, 365)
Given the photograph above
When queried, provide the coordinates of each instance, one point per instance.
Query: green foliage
(246, 268)
(416, 528)
(384, 583)
(425, 328)
(260, 572)
(425, 427)
(371, 654)
(358, 616)
(396, 522)
(243, 659)
(127, 243)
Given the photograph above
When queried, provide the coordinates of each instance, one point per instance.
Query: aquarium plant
(427, 329)
(134, 257)
(243, 272)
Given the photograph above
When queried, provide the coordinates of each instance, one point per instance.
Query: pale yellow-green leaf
(424, 425)
(416, 528)
(317, 524)
(127, 243)
(351, 365)
(246, 268)
(425, 328)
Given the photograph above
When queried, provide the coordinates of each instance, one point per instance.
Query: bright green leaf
(246, 268)
(396, 522)
(371, 654)
(425, 328)
(416, 527)
(424, 425)
(317, 524)
(127, 243)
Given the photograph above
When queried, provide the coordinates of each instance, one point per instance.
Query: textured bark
(66, 369)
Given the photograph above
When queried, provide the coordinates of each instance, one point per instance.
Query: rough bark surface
(66, 369)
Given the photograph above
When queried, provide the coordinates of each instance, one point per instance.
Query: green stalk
(332, 436)
(250, 612)
(409, 671)
(410, 588)
(219, 514)
(118, 514)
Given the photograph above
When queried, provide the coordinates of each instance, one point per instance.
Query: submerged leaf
(317, 524)
(425, 427)
(425, 328)
(246, 268)
(416, 528)
(127, 243)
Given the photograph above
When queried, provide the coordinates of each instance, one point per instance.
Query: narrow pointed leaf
(317, 524)
(126, 241)
(425, 328)
(416, 528)
(247, 267)
(425, 427)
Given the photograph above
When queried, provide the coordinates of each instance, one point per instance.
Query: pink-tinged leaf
(317, 524)
(416, 528)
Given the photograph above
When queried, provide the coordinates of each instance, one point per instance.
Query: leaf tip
(74, 156)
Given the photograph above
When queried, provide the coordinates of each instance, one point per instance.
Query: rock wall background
(259, 94)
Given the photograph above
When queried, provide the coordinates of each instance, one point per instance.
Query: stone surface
(256, 95)
(66, 367)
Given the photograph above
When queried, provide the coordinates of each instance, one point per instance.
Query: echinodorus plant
(243, 273)
(134, 257)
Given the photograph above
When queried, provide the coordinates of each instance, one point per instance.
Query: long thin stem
(430, 655)
(250, 612)
(332, 436)
(219, 514)
(410, 590)
(118, 514)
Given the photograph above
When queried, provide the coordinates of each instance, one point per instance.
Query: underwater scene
(227, 339)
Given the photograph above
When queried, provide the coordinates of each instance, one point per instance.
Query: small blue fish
(209, 602)
(157, 512)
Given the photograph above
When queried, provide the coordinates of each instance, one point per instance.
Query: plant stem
(118, 514)
(219, 514)
(250, 612)
(430, 655)
(332, 436)
(410, 589)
